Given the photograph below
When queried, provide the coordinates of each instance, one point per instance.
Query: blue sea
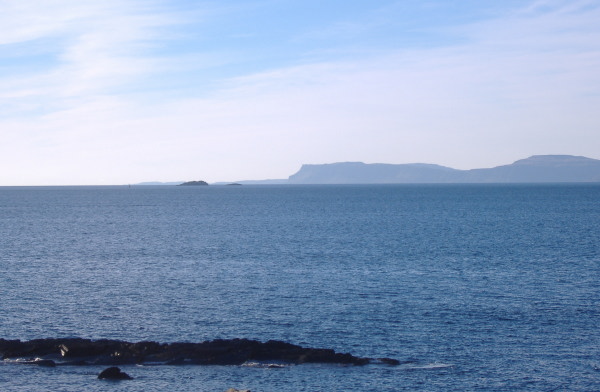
(472, 287)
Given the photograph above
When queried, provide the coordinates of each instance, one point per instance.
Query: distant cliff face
(376, 173)
(541, 168)
(538, 168)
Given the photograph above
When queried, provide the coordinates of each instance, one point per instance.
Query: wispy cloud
(88, 47)
(514, 86)
(520, 84)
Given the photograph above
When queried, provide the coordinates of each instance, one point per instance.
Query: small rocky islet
(194, 183)
(81, 352)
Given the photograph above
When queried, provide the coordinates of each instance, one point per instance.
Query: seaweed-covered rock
(214, 352)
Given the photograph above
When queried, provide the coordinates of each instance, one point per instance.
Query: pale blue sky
(116, 92)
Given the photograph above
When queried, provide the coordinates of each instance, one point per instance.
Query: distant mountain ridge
(535, 169)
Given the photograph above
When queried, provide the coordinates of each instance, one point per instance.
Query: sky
(107, 92)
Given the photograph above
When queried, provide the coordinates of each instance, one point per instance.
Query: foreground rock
(75, 351)
(114, 373)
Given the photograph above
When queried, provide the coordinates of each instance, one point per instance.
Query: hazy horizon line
(224, 182)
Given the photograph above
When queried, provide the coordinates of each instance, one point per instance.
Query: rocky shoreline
(81, 352)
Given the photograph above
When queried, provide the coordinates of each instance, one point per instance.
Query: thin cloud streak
(437, 100)
(97, 47)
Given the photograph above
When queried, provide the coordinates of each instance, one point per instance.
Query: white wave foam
(435, 365)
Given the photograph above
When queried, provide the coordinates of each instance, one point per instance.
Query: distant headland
(535, 169)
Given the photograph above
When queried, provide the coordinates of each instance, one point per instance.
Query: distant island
(194, 183)
(535, 169)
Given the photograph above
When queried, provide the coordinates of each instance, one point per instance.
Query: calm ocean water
(473, 287)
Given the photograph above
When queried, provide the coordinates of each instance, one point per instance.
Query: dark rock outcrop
(214, 352)
(114, 373)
